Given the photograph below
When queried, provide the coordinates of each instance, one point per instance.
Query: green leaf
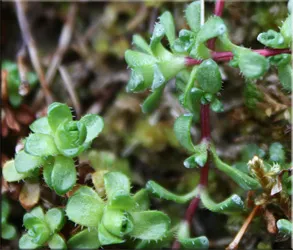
(85, 209)
(8, 231)
(182, 79)
(142, 199)
(233, 204)
(191, 243)
(94, 126)
(285, 74)
(25, 163)
(40, 145)
(150, 225)
(217, 106)
(182, 128)
(57, 242)
(250, 151)
(10, 174)
(189, 86)
(157, 36)
(86, 239)
(39, 232)
(272, 39)
(116, 184)
(159, 79)
(41, 126)
(286, 30)
(166, 19)
(38, 212)
(252, 95)
(157, 190)
(63, 174)
(285, 227)
(55, 218)
(117, 222)
(84, 190)
(57, 114)
(106, 238)
(209, 77)
(199, 158)
(193, 14)
(47, 173)
(141, 44)
(152, 101)
(26, 242)
(252, 65)
(243, 180)
(136, 82)
(277, 153)
(5, 208)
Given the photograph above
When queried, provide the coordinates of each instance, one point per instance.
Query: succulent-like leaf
(86, 239)
(55, 218)
(63, 175)
(286, 30)
(47, 173)
(40, 145)
(233, 204)
(142, 200)
(157, 36)
(217, 106)
(284, 227)
(285, 74)
(10, 174)
(209, 77)
(38, 212)
(243, 180)
(277, 153)
(116, 184)
(159, 78)
(141, 44)
(94, 125)
(106, 238)
(159, 191)
(84, 208)
(136, 82)
(8, 232)
(149, 225)
(152, 101)
(25, 163)
(57, 114)
(57, 242)
(182, 128)
(199, 157)
(272, 39)
(189, 86)
(192, 14)
(191, 243)
(166, 19)
(41, 126)
(26, 242)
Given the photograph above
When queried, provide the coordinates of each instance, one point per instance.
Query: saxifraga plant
(55, 141)
(193, 59)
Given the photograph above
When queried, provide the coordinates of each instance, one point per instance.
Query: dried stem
(24, 87)
(238, 237)
(68, 84)
(32, 48)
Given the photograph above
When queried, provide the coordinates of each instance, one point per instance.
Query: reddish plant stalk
(227, 56)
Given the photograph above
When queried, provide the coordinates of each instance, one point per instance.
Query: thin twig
(238, 237)
(68, 84)
(32, 48)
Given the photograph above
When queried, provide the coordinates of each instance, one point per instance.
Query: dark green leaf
(152, 101)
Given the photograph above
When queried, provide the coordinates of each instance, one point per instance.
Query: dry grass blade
(33, 52)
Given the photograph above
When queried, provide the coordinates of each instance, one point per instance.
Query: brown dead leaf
(271, 222)
(29, 195)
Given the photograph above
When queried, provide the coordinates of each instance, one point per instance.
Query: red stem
(227, 56)
(219, 6)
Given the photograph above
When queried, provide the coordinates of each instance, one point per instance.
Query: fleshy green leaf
(243, 180)
(141, 44)
(152, 101)
(157, 190)
(193, 13)
(41, 126)
(277, 153)
(86, 239)
(55, 218)
(284, 227)
(106, 238)
(47, 173)
(94, 126)
(272, 39)
(8, 231)
(142, 199)
(26, 242)
(209, 77)
(191, 243)
(57, 114)
(57, 242)
(157, 36)
(286, 30)
(10, 174)
(63, 174)
(150, 225)
(285, 74)
(25, 162)
(85, 209)
(189, 86)
(217, 106)
(38, 212)
(159, 79)
(136, 82)
(233, 204)
(201, 153)
(182, 128)
(251, 150)
(40, 145)
(166, 19)
(116, 184)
